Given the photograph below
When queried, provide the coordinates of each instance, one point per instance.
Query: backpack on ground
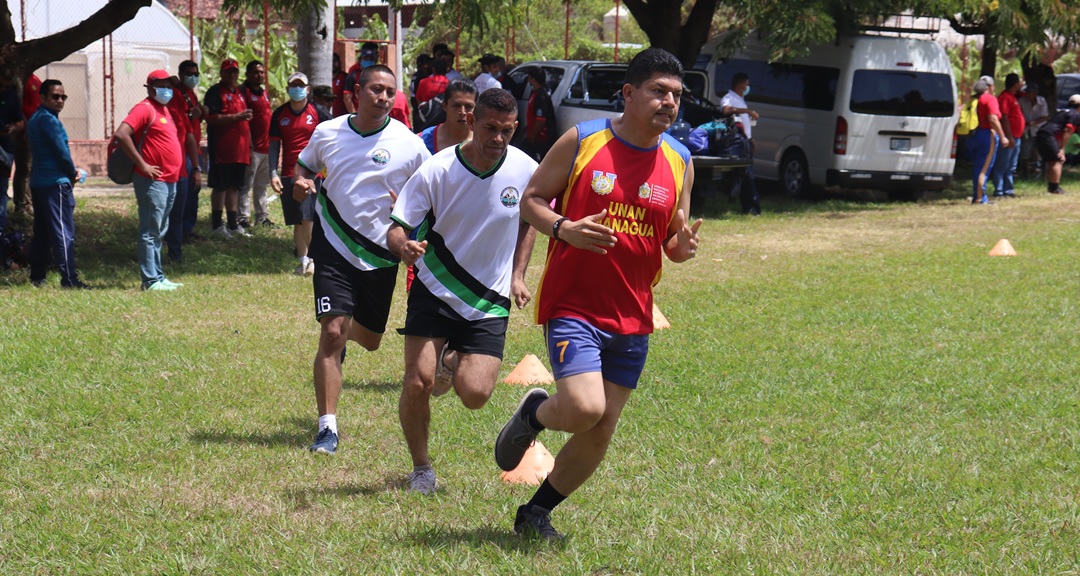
(969, 118)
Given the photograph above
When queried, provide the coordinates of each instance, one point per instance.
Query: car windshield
(901, 93)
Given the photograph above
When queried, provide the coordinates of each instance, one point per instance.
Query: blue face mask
(366, 63)
(163, 95)
(745, 92)
(297, 93)
(191, 81)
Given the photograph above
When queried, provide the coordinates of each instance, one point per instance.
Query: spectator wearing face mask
(734, 102)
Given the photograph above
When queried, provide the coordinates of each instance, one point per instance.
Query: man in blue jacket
(51, 180)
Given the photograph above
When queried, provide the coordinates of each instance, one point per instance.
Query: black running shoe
(535, 523)
(516, 437)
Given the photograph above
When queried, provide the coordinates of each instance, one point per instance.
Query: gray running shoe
(535, 523)
(444, 377)
(422, 481)
(516, 437)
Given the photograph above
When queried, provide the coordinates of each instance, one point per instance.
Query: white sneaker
(309, 269)
(221, 232)
(422, 481)
(301, 268)
(239, 232)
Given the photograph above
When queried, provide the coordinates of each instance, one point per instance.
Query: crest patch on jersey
(510, 197)
(644, 191)
(381, 156)
(284, 121)
(603, 182)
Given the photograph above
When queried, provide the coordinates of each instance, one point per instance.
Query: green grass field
(850, 387)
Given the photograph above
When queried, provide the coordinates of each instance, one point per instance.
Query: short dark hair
(423, 59)
(185, 65)
(363, 77)
(440, 66)
(1011, 80)
(47, 85)
(495, 99)
(652, 61)
(739, 78)
(460, 85)
(536, 73)
(369, 46)
(438, 49)
(251, 66)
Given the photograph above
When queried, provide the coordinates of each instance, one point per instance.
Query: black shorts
(295, 212)
(429, 317)
(227, 176)
(363, 295)
(1047, 146)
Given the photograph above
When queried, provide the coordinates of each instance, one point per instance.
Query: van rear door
(900, 121)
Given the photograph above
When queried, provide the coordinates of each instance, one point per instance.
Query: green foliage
(226, 37)
(966, 75)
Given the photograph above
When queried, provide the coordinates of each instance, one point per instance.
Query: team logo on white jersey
(510, 197)
(381, 156)
(644, 191)
(603, 182)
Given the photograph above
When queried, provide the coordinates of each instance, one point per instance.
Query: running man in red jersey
(622, 190)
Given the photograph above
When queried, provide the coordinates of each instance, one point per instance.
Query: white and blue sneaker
(325, 442)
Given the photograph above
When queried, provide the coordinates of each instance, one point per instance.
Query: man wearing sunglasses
(51, 181)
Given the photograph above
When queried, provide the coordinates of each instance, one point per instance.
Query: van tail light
(840, 140)
(952, 154)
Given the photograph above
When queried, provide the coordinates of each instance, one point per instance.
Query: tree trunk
(989, 59)
(662, 23)
(315, 44)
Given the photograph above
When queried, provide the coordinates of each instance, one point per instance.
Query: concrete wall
(90, 155)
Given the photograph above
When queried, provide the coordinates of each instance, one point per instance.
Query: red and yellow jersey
(640, 188)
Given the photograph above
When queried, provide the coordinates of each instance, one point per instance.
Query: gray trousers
(256, 179)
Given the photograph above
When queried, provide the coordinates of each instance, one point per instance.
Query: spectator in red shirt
(31, 100)
(290, 130)
(984, 140)
(229, 142)
(435, 84)
(158, 160)
(1013, 126)
(257, 176)
(186, 208)
(369, 56)
(338, 83)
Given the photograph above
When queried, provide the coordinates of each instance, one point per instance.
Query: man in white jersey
(368, 157)
(471, 251)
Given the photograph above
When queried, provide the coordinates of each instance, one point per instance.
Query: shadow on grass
(376, 386)
(106, 232)
(302, 498)
(294, 431)
(438, 538)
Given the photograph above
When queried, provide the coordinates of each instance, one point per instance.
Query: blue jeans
(4, 175)
(983, 144)
(54, 229)
(1004, 167)
(155, 199)
(191, 200)
(174, 235)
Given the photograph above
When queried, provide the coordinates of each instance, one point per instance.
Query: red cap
(228, 64)
(156, 75)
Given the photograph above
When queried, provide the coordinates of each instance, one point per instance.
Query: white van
(866, 112)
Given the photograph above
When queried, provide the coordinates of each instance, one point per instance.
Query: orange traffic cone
(1003, 248)
(659, 321)
(529, 371)
(535, 466)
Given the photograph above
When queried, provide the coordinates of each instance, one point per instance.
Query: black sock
(546, 497)
(530, 412)
(1051, 186)
(231, 216)
(215, 217)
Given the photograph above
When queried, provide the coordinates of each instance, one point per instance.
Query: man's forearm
(523, 251)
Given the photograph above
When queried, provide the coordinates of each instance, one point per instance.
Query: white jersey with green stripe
(470, 221)
(361, 170)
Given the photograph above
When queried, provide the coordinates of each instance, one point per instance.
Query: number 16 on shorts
(322, 305)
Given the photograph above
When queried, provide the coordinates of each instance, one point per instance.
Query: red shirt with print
(294, 131)
(183, 100)
(228, 143)
(31, 96)
(259, 102)
(161, 147)
(338, 86)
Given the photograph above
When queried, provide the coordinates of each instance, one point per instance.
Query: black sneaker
(535, 523)
(516, 437)
(77, 285)
(37, 283)
(267, 223)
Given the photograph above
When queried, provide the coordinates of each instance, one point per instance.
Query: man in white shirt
(734, 103)
(485, 80)
(1036, 112)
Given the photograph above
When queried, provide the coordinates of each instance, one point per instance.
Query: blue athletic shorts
(576, 347)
